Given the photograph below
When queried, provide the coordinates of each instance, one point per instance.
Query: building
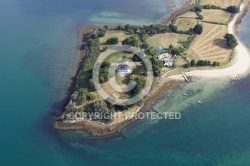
(168, 62)
(123, 68)
(163, 56)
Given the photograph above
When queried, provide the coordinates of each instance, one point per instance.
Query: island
(125, 68)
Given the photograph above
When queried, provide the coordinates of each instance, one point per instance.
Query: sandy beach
(241, 63)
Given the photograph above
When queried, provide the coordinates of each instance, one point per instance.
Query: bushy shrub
(232, 9)
(112, 41)
(231, 40)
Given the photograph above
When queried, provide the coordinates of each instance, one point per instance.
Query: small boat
(184, 94)
(199, 102)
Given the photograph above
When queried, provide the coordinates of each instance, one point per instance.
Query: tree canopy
(232, 9)
(210, 7)
(198, 29)
(132, 41)
(198, 8)
(112, 41)
(231, 40)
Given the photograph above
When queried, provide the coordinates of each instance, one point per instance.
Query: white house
(163, 56)
(123, 68)
(169, 61)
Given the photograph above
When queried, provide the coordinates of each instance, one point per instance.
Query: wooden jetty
(185, 77)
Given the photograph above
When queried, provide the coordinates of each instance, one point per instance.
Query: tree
(74, 96)
(90, 43)
(173, 28)
(140, 83)
(198, 29)
(201, 17)
(92, 95)
(102, 33)
(157, 70)
(119, 27)
(205, 63)
(214, 64)
(192, 63)
(144, 45)
(106, 27)
(101, 106)
(198, 63)
(211, 7)
(187, 65)
(198, 8)
(136, 71)
(91, 85)
(132, 41)
(206, 6)
(232, 9)
(127, 27)
(102, 80)
(105, 64)
(231, 40)
(136, 58)
(176, 51)
(112, 41)
(93, 36)
(171, 47)
(82, 96)
(202, 63)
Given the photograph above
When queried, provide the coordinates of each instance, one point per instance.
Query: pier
(185, 77)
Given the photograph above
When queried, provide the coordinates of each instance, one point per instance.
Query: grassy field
(179, 61)
(216, 15)
(110, 90)
(119, 34)
(188, 15)
(167, 39)
(210, 45)
(221, 3)
(122, 80)
(118, 55)
(185, 24)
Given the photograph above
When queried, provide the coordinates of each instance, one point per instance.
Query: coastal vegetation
(198, 8)
(201, 63)
(231, 40)
(132, 41)
(233, 9)
(86, 72)
(210, 7)
(221, 4)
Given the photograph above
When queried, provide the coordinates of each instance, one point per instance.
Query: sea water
(39, 51)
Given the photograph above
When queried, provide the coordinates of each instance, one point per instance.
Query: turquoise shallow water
(38, 50)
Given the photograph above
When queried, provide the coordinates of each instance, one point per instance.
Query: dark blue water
(38, 50)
